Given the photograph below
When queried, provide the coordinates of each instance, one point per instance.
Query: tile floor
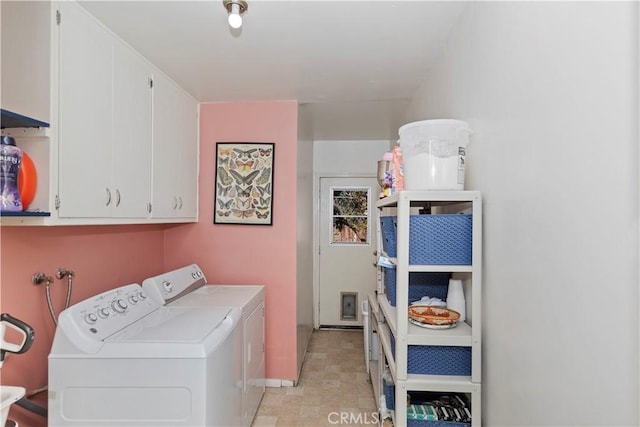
(333, 389)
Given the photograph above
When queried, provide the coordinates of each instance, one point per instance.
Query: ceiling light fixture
(235, 9)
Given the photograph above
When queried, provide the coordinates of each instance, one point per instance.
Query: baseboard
(274, 382)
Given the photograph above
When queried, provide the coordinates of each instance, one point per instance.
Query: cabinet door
(175, 149)
(85, 115)
(131, 166)
(188, 178)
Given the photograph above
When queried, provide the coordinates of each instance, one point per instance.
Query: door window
(350, 215)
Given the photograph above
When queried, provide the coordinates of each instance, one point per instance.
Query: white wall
(551, 91)
(348, 157)
(304, 259)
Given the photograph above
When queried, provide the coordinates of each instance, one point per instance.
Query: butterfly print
(244, 154)
(265, 190)
(264, 201)
(262, 215)
(244, 192)
(243, 204)
(244, 166)
(224, 213)
(264, 177)
(244, 179)
(223, 191)
(224, 177)
(224, 151)
(225, 205)
(243, 213)
(265, 152)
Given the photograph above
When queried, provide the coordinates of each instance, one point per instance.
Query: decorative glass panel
(350, 215)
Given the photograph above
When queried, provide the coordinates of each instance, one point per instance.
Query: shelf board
(429, 196)
(10, 119)
(460, 336)
(449, 383)
(24, 214)
(442, 268)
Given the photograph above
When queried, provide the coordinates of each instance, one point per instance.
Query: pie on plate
(433, 315)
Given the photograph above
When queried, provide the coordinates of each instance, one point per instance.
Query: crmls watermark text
(346, 418)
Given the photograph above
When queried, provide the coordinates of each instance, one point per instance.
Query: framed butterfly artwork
(244, 183)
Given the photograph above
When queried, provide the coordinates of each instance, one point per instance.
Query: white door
(347, 243)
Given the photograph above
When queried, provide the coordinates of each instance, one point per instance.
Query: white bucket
(433, 153)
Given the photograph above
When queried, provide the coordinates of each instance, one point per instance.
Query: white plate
(428, 326)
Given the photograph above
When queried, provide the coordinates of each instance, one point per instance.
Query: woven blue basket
(436, 359)
(420, 284)
(390, 396)
(433, 239)
(388, 225)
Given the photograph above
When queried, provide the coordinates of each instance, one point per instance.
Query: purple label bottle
(10, 160)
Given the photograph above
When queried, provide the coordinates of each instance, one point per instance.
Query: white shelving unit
(394, 320)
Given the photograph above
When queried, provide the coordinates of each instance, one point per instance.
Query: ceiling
(357, 63)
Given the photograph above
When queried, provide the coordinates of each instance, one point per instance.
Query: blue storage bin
(436, 359)
(421, 284)
(390, 396)
(443, 239)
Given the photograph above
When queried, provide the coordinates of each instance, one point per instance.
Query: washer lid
(172, 325)
(242, 296)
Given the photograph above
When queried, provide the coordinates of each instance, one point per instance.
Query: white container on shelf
(455, 298)
(434, 154)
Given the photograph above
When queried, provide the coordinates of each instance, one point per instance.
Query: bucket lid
(8, 140)
(436, 122)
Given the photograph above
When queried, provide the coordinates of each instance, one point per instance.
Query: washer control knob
(142, 296)
(103, 312)
(133, 299)
(91, 318)
(167, 285)
(119, 306)
(194, 275)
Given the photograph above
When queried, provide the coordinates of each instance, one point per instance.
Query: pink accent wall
(102, 257)
(249, 254)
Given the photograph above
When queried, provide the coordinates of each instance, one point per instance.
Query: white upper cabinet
(175, 157)
(123, 143)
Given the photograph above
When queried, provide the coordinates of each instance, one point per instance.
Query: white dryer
(186, 287)
(122, 359)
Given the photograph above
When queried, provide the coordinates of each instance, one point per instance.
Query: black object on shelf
(9, 119)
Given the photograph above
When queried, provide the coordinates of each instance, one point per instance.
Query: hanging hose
(49, 304)
(60, 274)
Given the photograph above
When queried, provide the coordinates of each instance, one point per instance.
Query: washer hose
(32, 407)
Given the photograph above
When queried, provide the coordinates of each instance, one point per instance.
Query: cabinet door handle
(117, 197)
(180, 206)
(175, 202)
(108, 197)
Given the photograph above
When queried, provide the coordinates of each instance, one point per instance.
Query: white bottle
(455, 298)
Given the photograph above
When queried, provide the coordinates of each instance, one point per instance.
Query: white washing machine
(186, 287)
(122, 359)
